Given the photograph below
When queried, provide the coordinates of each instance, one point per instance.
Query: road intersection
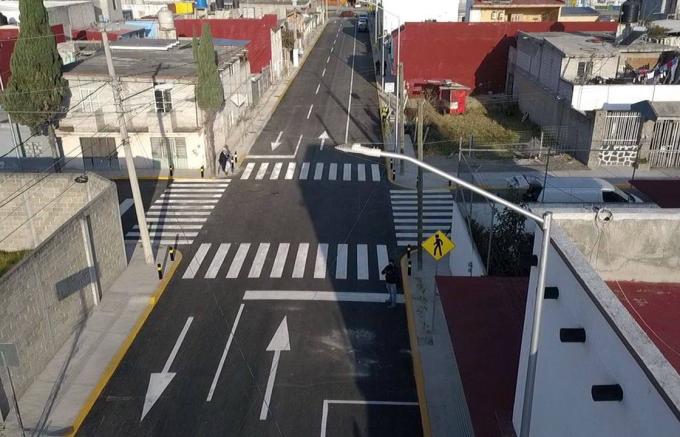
(275, 323)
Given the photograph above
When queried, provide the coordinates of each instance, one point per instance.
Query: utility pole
(402, 106)
(129, 161)
(421, 102)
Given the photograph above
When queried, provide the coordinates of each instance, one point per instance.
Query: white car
(570, 190)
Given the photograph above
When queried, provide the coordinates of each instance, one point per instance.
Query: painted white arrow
(280, 342)
(323, 137)
(277, 143)
(158, 382)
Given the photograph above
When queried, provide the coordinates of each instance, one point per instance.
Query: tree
(35, 91)
(209, 93)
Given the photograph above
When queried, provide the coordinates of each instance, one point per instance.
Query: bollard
(409, 267)
(172, 253)
(202, 171)
(408, 251)
(172, 170)
(394, 174)
(235, 157)
(160, 271)
(450, 183)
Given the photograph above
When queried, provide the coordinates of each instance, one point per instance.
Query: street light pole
(544, 222)
(129, 160)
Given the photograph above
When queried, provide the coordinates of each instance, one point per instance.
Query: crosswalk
(308, 171)
(362, 262)
(437, 214)
(180, 212)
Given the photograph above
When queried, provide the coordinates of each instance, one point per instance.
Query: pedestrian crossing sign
(438, 245)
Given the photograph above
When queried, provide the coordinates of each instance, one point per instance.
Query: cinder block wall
(50, 292)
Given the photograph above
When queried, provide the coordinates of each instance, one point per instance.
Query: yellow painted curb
(122, 350)
(415, 352)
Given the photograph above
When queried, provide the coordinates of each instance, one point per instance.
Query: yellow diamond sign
(438, 245)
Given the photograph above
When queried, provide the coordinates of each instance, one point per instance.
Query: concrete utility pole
(402, 106)
(129, 161)
(421, 103)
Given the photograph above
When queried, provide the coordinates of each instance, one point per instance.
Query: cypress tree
(209, 92)
(36, 89)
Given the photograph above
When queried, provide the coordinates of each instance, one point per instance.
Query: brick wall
(50, 292)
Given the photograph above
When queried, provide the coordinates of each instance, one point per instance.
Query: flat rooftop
(150, 59)
(592, 44)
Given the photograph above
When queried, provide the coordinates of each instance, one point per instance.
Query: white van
(571, 190)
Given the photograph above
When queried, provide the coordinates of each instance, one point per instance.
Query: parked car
(362, 24)
(570, 190)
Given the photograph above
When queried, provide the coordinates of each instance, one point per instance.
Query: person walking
(391, 278)
(223, 159)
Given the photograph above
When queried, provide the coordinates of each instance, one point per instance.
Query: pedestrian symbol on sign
(438, 245)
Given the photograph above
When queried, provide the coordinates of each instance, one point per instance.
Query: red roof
(655, 306)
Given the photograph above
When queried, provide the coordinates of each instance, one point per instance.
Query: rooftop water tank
(630, 12)
(166, 19)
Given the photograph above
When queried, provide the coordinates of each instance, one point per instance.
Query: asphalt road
(274, 324)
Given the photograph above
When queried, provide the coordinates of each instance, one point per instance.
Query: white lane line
(333, 171)
(166, 226)
(125, 205)
(341, 262)
(428, 191)
(328, 402)
(328, 59)
(347, 172)
(411, 243)
(361, 172)
(224, 353)
(362, 261)
(415, 196)
(280, 260)
(425, 214)
(161, 234)
(446, 221)
(258, 262)
(351, 85)
(176, 220)
(332, 48)
(262, 171)
(200, 181)
(320, 264)
(447, 202)
(382, 260)
(193, 195)
(300, 260)
(317, 89)
(415, 227)
(276, 170)
(168, 201)
(290, 171)
(249, 169)
(375, 172)
(426, 235)
(217, 261)
(318, 172)
(199, 186)
(310, 111)
(323, 73)
(195, 263)
(190, 190)
(425, 208)
(304, 171)
(174, 207)
(163, 242)
(327, 296)
(237, 262)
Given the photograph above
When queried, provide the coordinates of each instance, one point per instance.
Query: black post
(172, 170)
(202, 171)
(409, 267)
(408, 251)
(172, 253)
(160, 271)
(235, 157)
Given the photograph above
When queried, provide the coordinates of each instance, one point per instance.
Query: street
(275, 323)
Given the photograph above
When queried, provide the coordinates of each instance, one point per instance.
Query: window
(163, 98)
(612, 196)
(89, 100)
(167, 151)
(584, 69)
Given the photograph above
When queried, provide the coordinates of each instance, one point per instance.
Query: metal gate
(665, 148)
(621, 138)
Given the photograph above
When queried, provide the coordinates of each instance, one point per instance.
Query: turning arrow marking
(158, 382)
(277, 143)
(280, 342)
(323, 137)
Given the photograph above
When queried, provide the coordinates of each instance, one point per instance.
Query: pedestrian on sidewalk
(223, 159)
(391, 277)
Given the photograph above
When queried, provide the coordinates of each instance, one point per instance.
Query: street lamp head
(358, 149)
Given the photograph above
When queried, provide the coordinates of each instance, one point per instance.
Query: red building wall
(8, 36)
(257, 31)
(473, 54)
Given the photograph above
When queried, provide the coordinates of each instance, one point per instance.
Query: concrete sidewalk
(440, 389)
(62, 395)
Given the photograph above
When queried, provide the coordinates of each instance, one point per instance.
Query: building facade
(163, 118)
(513, 10)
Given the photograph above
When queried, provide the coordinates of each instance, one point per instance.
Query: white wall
(562, 405)
(407, 10)
(590, 97)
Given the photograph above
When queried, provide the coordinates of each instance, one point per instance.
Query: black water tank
(3, 20)
(630, 11)
(219, 5)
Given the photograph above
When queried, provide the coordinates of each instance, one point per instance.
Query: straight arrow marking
(277, 143)
(280, 342)
(158, 382)
(323, 137)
